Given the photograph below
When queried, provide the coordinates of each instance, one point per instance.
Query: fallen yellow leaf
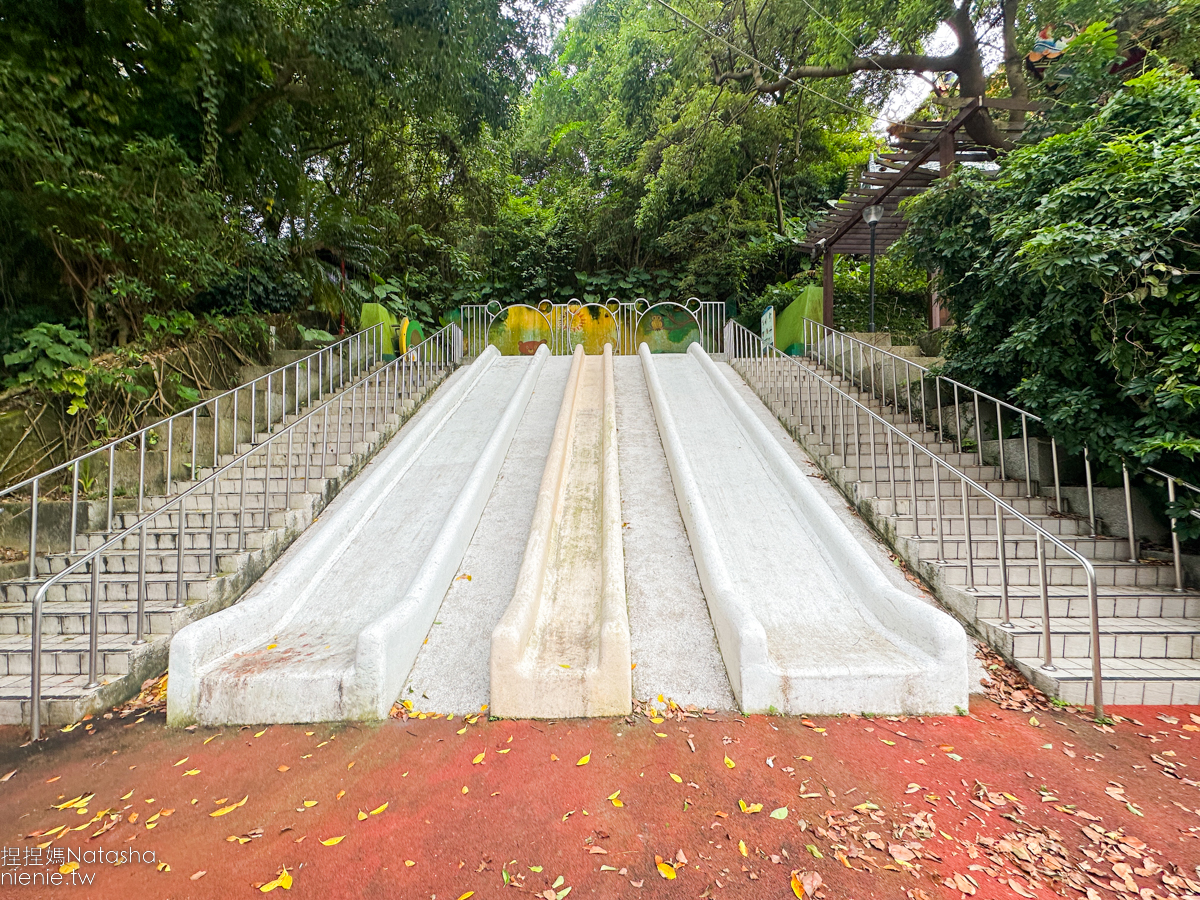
(729, 762)
(191, 772)
(127, 796)
(410, 863)
(675, 778)
(466, 790)
(666, 870)
(468, 893)
(261, 733)
(309, 804)
(742, 849)
(329, 842)
(584, 760)
(478, 759)
(180, 763)
(379, 809)
(797, 887)
(340, 795)
(228, 809)
(361, 815)
(283, 768)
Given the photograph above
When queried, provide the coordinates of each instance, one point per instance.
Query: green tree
(1074, 276)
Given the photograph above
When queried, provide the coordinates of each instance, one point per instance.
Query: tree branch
(890, 62)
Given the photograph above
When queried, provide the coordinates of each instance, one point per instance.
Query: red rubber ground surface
(523, 808)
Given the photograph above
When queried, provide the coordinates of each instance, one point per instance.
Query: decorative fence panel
(667, 326)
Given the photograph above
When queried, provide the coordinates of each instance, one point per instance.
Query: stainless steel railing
(334, 366)
(840, 351)
(381, 391)
(835, 417)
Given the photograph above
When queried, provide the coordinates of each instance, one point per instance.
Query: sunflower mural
(667, 328)
(593, 326)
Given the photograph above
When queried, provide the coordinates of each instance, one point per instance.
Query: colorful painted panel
(667, 328)
(593, 326)
(518, 330)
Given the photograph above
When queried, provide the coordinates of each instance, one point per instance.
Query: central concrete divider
(562, 647)
(805, 620)
(332, 630)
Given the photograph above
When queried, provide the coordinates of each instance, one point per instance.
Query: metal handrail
(355, 354)
(818, 349)
(401, 377)
(741, 343)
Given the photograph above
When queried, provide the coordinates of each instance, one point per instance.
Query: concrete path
(451, 672)
(804, 619)
(333, 629)
(562, 647)
(674, 648)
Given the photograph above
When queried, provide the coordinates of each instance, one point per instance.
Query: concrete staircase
(220, 557)
(1149, 632)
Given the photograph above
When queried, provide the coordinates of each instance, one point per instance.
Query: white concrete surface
(562, 647)
(805, 620)
(451, 673)
(672, 642)
(333, 629)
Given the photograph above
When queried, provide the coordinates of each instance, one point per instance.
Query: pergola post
(827, 290)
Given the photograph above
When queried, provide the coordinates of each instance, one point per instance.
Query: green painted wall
(789, 324)
(375, 313)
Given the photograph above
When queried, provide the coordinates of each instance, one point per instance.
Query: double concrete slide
(804, 618)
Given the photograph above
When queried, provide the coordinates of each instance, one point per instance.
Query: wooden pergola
(922, 152)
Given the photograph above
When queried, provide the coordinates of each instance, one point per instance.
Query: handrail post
(112, 464)
(1000, 554)
(74, 505)
(966, 513)
(141, 470)
(180, 540)
(1175, 538)
(1000, 441)
(94, 630)
(33, 530)
(1025, 440)
(1133, 547)
(1094, 617)
(35, 668)
(141, 585)
(1043, 589)
(1087, 471)
(1057, 485)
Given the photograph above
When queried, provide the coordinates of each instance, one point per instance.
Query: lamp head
(872, 214)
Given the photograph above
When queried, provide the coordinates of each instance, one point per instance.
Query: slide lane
(562, 647)
(332, 630)
(805, 620)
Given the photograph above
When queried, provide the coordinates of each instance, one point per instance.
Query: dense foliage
(245, 153)
(1074, 275)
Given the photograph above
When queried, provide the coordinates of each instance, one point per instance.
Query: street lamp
(871, 215)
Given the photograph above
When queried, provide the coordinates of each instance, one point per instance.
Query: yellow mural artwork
(518, 330)
(593, 326)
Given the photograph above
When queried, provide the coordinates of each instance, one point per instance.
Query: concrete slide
(806, 622)
(562, 647)
(332, 630)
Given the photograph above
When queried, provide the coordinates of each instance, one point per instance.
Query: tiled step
(71, 618)
(1062, 572)
(1124, 638)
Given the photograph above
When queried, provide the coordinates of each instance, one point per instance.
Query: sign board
(767, 326)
